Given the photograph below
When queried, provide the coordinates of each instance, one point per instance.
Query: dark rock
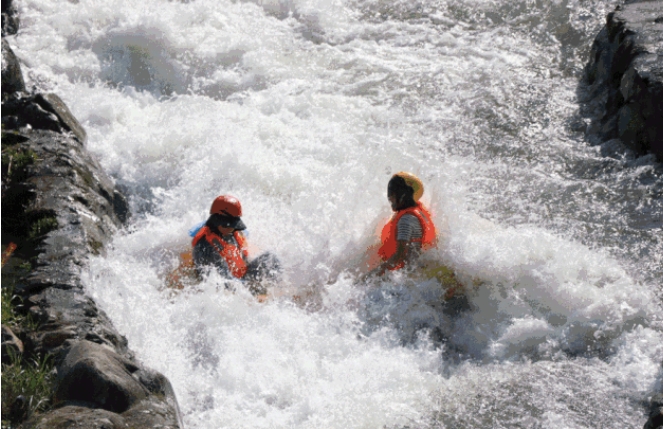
(147, 414)
(12, 77)
(93, 376)
(624, 78)
(42, 112)
(159, 385)
(52, 103)
(37, 117)
(66, 314)
(121, 206)
(19, 411)
(151, 413)
(74, 416)
(11, 345)
(655, 413)
(65, 203)
(10, 21)
(93, 373)
(60, 207)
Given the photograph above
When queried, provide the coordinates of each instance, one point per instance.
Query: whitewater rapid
(303, 109)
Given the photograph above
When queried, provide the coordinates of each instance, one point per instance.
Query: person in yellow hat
(410, 230)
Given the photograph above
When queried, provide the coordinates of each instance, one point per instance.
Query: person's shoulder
(408, 218)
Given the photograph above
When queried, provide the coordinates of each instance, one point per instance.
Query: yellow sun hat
(413, 182)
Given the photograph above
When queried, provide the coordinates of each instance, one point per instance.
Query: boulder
(10, 21)
(94, 374)
(11, 345)
(624, 78)
(69, 314)
(42, 112)
(655, 412)
(61, 207)
(92, 378)
(73, 416)
(12, 77)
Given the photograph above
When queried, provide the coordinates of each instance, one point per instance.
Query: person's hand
(376, 272)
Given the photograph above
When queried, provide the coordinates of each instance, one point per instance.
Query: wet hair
(404, 194)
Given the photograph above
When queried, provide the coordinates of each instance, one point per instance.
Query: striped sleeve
(408, 228)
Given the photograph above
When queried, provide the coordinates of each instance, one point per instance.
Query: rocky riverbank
(624, 79)
(58, 207)
(624, 96)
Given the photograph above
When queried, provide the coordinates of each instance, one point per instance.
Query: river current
(303, 109)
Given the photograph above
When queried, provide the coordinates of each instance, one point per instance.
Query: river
(303, 109)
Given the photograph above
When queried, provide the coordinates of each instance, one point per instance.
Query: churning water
(303, 109)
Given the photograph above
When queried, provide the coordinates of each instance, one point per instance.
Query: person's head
(225, 215)
(404, 190)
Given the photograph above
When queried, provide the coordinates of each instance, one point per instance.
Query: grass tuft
(32, 379)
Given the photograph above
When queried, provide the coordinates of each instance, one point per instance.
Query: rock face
(41, 111)
(12, 78)
(655, 413)
(59, 206)
(625, 78)
(9, 19)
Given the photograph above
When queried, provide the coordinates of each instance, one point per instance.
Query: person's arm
(398, 258)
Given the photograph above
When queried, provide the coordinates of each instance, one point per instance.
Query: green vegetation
(32, 379)
(15, 269)
(15, 159)
(43, 226)
(24, 375)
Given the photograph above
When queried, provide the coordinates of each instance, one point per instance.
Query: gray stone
(11, 345)
(160, 387)
(92, 373)
(624, 78)
(52, 103)
(67, 185)
(10, 21)
(94, 376)
(74, 416)
(60, 206)
(41, 112)
(151, 413)
(68, 314)
(655, 412)
(12, 77)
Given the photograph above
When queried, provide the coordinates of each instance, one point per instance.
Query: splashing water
(303, 109)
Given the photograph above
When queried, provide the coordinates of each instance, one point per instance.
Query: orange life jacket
(389, 232)
(235, 256)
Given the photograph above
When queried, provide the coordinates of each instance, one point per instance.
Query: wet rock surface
(10, 21)
(92, 373)
(41, 111)
(655, 412)
(12, 78)
(624, 98)
(60, 207)
(624, 79)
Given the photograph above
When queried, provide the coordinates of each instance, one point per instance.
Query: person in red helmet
(220, 244)
(410, 230)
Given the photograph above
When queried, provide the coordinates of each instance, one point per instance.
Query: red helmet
(226, 205)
